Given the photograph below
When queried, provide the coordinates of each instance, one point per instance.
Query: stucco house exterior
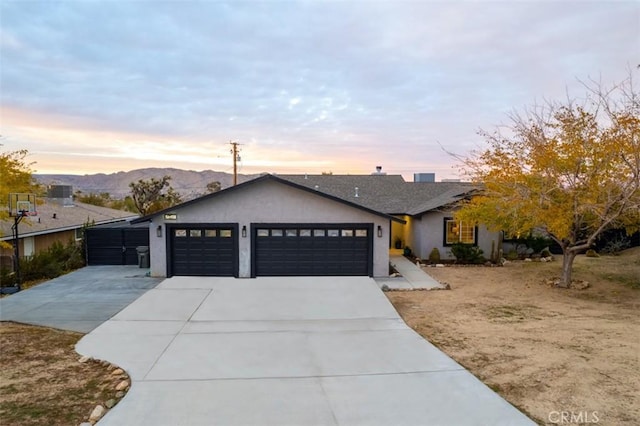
(426, 209)
(308, 225)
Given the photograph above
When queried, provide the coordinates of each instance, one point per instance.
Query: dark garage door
(115, 246)
(204, 249)
(312, 249)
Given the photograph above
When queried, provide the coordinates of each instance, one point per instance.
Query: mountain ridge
(188, 183)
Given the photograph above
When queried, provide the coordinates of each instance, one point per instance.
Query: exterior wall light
(159, 231)
(379, 231)
(244, 231)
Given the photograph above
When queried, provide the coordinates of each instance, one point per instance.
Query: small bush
(592, 253)
(467, 253)
(545, 253)
(616, 246)
(53, 262)
(512, 255)
(434, 256)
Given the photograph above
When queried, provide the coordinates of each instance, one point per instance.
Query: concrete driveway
(283, 351)
(78, 301)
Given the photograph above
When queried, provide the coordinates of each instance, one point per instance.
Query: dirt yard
(555, 354)
(42, 381)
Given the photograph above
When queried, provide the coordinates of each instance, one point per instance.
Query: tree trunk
(568, 257)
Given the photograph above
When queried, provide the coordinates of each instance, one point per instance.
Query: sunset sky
(304, 86)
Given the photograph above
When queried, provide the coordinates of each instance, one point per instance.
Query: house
(309, 225)
(58, 220)
(269, 226)
(426, 209)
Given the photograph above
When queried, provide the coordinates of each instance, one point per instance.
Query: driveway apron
(78, 301)
(283, 351)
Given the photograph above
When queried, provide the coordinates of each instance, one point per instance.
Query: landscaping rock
(96, 413)
(84, 359)
(385, 287)
(117, 372)
(579, 285)
(120, 394)
(123, 385)
(439, 265)
(110, 403)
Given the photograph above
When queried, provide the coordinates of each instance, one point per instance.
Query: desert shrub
(616, 246)
(592, 253)
(512, 255)
(545, 253)
(467, 253)
(434, 256)
(53, 262)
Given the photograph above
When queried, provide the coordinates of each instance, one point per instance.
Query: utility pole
(236, 157)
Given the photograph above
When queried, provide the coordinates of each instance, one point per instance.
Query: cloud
(340, 85)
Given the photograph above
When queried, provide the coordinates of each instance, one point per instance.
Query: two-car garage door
(276, 249)
(312, 249)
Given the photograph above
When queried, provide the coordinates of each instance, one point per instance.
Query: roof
(279, 179)
(389, 194)
(66, 218)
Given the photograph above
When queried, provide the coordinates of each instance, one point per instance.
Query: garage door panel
(203, 250)
(312, 249)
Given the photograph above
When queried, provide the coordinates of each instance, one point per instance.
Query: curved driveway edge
(283, 351)
(80, 300)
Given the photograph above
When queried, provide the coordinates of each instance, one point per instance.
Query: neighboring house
(426, 208)
(309, 225)
(58, 220)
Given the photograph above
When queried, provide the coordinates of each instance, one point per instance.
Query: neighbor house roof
(390, 194)
(281, 180)
(55, 217)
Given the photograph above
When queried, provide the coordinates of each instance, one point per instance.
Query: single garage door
(115, 245)
(204, 249)
(312, 249)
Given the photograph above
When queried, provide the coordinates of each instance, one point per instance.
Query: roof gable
(267, 177)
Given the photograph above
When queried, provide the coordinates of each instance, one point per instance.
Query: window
(225, 233)
(276, 232)
(79, 233)
(361, 232)
(180, 232)
(291, 232)
(305, 232)
(195, 233)
(209, 233)
(459, 232)
(347, 232)
(333, 232)
(318, 233)
(263, 232)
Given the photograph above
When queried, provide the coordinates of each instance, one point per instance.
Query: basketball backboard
(22, 205)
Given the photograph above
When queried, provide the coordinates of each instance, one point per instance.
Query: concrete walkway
(283, 351)
(78, 301)
(414, 277)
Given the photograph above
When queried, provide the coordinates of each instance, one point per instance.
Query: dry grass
(41, 380)
(544, 349)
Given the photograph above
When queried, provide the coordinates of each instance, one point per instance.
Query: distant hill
(188, 183)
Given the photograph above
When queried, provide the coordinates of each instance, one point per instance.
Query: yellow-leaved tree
(568, 169)
(16, 176)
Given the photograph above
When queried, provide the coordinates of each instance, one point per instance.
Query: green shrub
(512, 255)
(467, 253)
(434, 256)
(545, 253)
(53, 262)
